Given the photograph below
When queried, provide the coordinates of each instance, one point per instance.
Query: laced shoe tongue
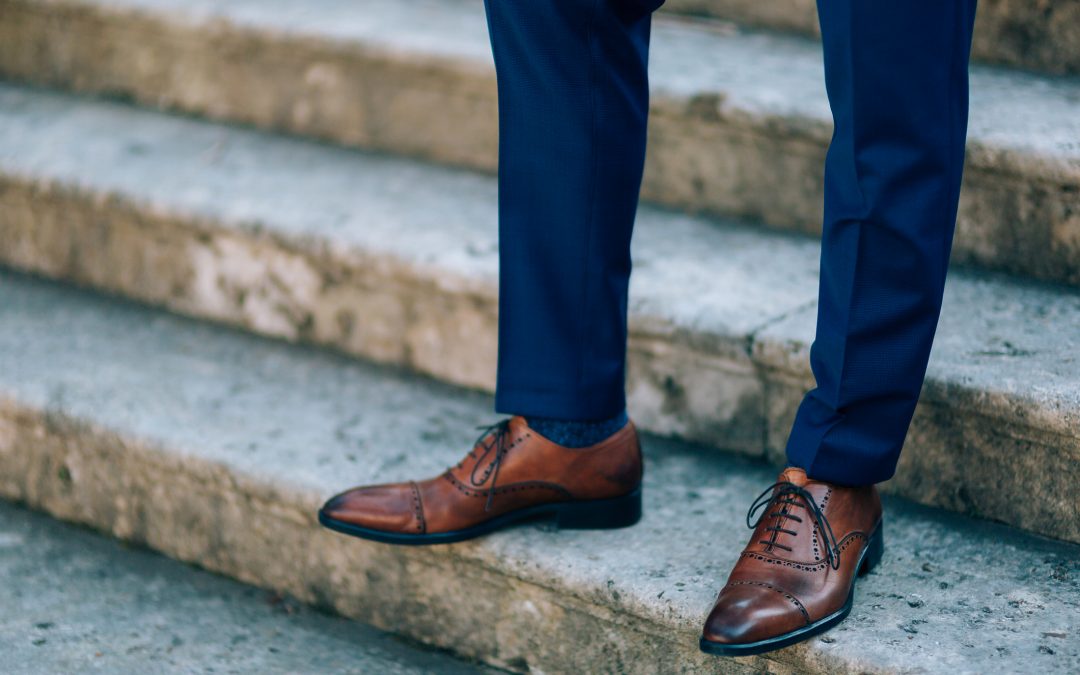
(794, 475)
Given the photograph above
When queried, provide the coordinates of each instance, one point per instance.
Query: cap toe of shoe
(749, 612)
(388, 508)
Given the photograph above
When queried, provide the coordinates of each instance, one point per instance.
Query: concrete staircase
(396, 261)
(215, 447)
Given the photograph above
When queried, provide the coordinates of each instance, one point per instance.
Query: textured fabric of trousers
(897, 79)
(573, 103)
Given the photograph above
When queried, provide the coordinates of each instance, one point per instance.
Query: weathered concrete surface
(216, 448)
(739, 125)
(75, 602)
(1042, 35)
(397, 262)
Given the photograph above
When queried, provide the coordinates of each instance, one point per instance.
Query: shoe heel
(601, 514)
(874, 551)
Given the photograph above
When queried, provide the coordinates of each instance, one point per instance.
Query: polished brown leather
(532, 471)
(783, 581)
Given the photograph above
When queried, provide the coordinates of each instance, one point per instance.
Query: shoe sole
(868, 560)
(594, 514)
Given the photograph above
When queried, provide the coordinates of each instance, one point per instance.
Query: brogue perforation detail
(791, 598)
(418, 505)
(520, 487)
(806, 567)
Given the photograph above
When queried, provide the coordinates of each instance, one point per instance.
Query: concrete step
(739, 122)
(75, 602)
(216, 448)
(396, 261)
(1040, 36)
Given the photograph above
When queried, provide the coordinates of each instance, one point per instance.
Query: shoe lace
(499, 431)
(782, 495)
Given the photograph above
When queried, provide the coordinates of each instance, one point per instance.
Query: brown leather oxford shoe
(511, 474)
(796, 577)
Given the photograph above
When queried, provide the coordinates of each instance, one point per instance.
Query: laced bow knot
(498, 433)
(784, 494)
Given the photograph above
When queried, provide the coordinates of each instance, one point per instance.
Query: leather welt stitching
(789, 596)
(806, 567)
(421, 523)
(505, 489)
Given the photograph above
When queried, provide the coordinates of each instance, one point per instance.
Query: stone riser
(1019, 211)
(1040, 36)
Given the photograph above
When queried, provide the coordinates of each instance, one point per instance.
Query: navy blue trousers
(573, 106)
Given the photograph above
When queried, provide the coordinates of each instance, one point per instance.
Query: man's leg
(896, 74)
(573, 101)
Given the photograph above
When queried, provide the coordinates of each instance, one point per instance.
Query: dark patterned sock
(577, 433)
